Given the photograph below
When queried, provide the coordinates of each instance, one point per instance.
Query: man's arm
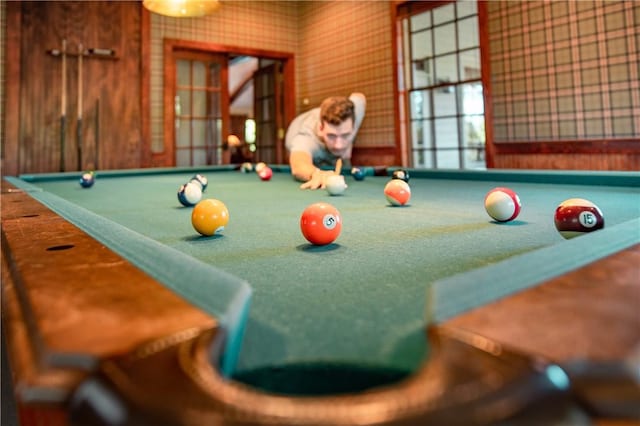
(301, 165)
(302, 169)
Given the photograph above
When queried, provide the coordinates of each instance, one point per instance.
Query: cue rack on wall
(80, 54)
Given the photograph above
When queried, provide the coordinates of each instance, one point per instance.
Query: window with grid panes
(440, 88)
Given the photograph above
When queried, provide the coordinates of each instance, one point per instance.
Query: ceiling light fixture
(182, 8)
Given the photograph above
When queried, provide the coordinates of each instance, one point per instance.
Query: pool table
(116, 311)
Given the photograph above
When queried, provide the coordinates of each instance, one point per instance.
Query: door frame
(164, 158)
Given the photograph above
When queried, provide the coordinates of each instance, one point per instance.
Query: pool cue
(79, 128)
(339, 166)
(63, 105)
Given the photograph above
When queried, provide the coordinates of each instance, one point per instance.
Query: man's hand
(318, 179)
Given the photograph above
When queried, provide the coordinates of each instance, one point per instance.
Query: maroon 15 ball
(577, 216)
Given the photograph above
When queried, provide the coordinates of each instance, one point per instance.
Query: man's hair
(336, 109)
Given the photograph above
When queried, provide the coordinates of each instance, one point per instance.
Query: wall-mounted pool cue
(63, 105)
(79, 127)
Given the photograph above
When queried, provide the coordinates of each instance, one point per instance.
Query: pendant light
(182, 8)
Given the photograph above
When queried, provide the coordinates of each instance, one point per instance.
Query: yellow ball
(209, 217)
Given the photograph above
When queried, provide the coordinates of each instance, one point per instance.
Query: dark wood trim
(485, 65)
(167, 156)
(223, 48)
(402, 154)
(417, 6)
(600, 146)
(10, 144)
(289, 98)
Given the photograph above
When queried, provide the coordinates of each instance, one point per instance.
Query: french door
(200, 108)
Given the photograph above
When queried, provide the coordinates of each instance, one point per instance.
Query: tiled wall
(345, 46)
(565, 70)
(339, 47)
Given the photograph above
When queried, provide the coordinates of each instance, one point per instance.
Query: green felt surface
(361, 300)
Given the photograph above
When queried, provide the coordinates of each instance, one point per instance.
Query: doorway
(225, 105)
(256, 109)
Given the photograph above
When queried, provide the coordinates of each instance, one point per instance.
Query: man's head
(337, 117)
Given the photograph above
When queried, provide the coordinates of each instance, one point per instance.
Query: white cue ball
(335, 184)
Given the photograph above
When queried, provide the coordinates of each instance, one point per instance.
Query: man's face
(338, 138)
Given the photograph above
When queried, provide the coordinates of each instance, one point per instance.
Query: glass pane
(444, 101)
(473, 130)
(266, 84)
(446, 69)
(421, 45)
(466, 8)
(422, 134)
(183, 106)
(199, 134)
(470, 65)
(445, 39)
(199, 103)
(421, 21)
(267, 135)
(422, 73)
(474, 158)
(216, 132)
(183, 133)
(443, 14)
(468, 36)
(183, 72)
(216, 109)
(420, 104)
(199, 74)
(446, 133)
(449, 159)
(266, 110)
(214, 75)
(183, 157)
(471, 99)
(199, 157)
(423, 158)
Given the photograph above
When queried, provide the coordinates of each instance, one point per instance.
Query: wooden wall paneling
(614, 154)
(111, 95)
(111, 88)
(40, 90)
(374, 156)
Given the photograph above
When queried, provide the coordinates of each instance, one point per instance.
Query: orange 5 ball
(320, 223)
(209, 217)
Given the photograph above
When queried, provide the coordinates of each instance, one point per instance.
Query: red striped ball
(577, 216)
